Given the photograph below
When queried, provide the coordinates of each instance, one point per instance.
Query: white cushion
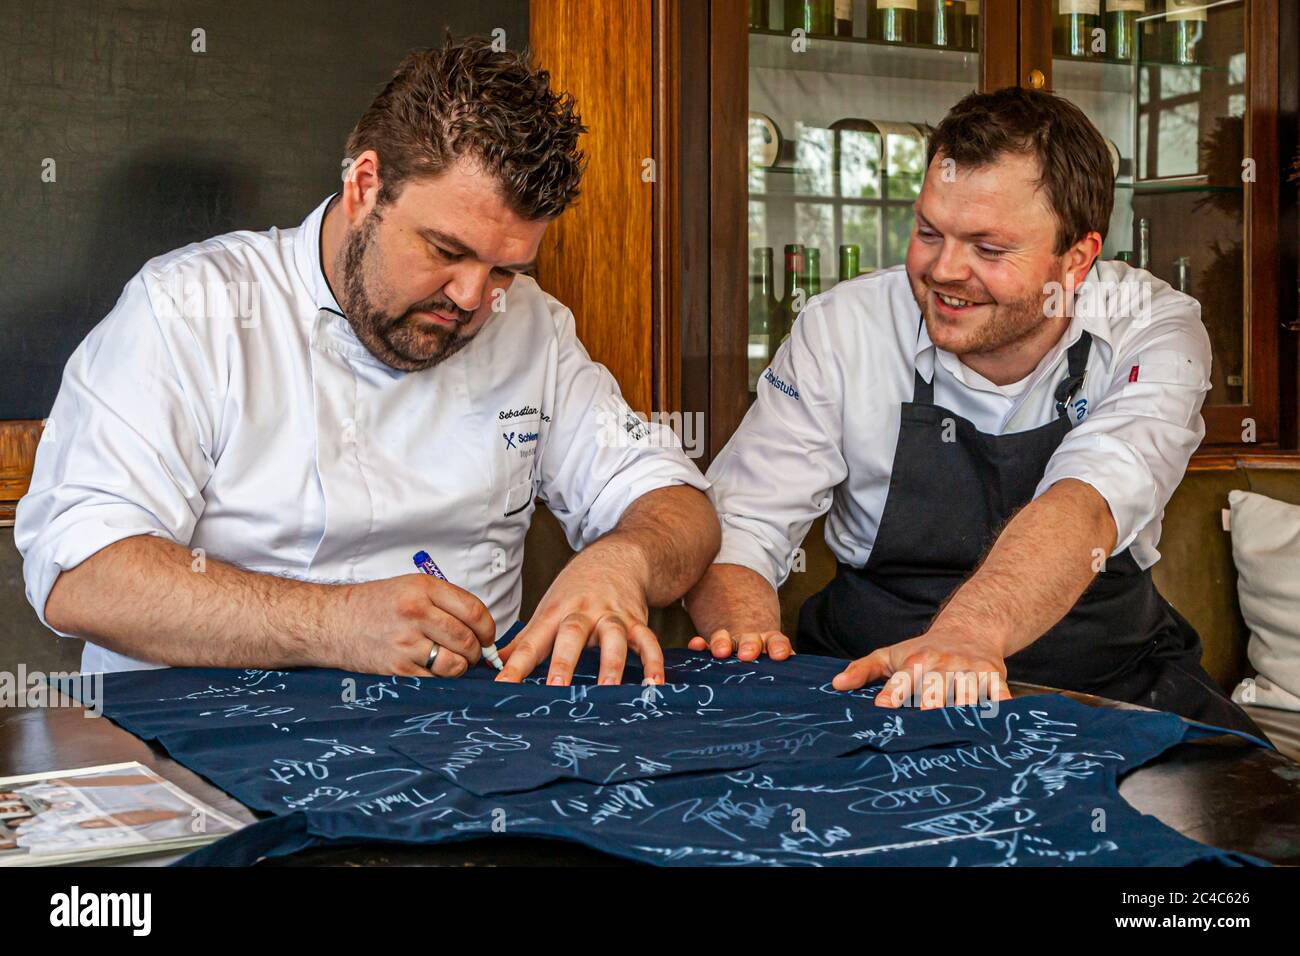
(1266, 551)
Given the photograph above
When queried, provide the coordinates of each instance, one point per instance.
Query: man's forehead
(1007, 172)
(1008, 188)
(484, 227)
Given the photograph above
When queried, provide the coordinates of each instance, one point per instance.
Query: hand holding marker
(427, 565)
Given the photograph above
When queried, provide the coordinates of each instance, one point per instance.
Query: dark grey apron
(947, 501)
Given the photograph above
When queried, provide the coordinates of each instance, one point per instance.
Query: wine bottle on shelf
(813, 264)
(893, 21)
(940, 22)
(844, 18)
(1122, 28)
(762, 309)
(1144, 244)
(848, 261)
(814, 17)
(758, 19)
(1073, 25)
(1183, 275)
(970, 28)
(792, 302)
(1186, 26)
(1125, 256)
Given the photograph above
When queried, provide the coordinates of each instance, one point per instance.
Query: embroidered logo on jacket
(781, 386)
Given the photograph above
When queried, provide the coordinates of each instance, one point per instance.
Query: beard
(1001, 325)
(399, 341)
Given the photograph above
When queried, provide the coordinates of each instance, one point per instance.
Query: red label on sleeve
(1133, 373)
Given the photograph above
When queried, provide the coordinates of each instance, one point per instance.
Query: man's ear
(361, 185)
(1080, 257)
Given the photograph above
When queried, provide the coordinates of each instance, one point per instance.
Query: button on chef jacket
(226, 404)
(820, 436)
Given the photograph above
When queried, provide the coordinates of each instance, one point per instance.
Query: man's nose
(951, 264)
(466, 287)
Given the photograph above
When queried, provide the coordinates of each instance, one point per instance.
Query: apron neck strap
(1077, 358)
(922, 391)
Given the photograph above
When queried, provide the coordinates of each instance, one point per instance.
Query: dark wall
(156, 146)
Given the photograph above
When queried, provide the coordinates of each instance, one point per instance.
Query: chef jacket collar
(307, 257)
(335, 332)
(1095, 321)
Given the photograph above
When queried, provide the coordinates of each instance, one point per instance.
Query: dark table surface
(1222, 791)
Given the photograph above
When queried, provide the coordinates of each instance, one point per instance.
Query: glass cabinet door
(843, 95)
(1166, 81)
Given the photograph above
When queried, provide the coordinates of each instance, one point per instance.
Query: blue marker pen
(428, 566)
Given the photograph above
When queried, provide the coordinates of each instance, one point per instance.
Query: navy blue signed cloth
(728, 763)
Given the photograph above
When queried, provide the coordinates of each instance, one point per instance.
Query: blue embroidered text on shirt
(523, 412)
(781, 386)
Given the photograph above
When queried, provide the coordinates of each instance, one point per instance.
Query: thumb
(863, 671)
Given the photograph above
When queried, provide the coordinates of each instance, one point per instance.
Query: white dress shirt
(226, 404)
(821, 434)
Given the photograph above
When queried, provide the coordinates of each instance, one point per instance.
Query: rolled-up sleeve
(122, 453)
(1134, 445)
(776, 474)
(598, 455)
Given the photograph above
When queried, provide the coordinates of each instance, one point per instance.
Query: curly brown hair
(1073, 161)
(467, 99)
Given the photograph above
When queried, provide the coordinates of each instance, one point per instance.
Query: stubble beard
(400, 342)
(1006, 323)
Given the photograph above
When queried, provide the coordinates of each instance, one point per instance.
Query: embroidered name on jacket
(781, 386)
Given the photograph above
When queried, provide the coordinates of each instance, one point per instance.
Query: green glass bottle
(941, 22)
(813, 264)
(971, 26)
(1122, 28)
(1072, 27)
(848, 261)
(792, 302)
(762, 310)
(1186, 29)
(893, 21)
(814, 17)
(758, 15)
(844, 18)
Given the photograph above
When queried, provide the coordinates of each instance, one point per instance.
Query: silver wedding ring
(433, 656)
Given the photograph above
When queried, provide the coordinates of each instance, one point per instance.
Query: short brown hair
(467, 99)
(1074, 164)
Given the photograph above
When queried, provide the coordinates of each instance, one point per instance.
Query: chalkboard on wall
(155, 135)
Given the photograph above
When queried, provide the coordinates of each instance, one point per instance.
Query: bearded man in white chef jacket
(246, 453)
(992, 431)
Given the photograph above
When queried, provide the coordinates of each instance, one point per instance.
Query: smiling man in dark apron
(992, 431)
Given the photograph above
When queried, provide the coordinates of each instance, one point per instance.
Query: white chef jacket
(821, 434)
(251, 423)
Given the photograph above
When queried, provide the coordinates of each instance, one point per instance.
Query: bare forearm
(147, 598)
(666, 538)
(735, 598)
(1041, 563)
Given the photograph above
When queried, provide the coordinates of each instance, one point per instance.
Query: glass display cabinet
(841, 95)
(838, 120)
(1182, 90)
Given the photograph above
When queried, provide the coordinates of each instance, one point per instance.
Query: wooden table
(1221, 791)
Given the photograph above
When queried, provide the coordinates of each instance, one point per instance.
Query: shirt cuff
(1115, 470)
(647, 475)
(739, 546)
